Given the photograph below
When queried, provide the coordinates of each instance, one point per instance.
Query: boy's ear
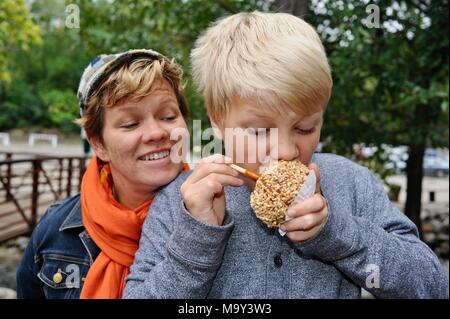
(99, 148)
(218, 129)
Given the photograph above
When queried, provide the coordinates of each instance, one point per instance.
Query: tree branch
(226, 7)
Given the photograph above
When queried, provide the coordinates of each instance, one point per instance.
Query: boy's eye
(258, 131)
(305, 132)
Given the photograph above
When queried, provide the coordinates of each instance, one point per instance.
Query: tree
(45, 82)
(390, 80)
(298, 8)
(17, 30)
(170, 27)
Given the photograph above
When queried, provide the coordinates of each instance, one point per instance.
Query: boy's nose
(286, 150)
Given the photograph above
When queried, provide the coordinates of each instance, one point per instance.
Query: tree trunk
(298, 8)
(414, 173)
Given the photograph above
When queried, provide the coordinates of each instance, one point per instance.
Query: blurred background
(389, 109)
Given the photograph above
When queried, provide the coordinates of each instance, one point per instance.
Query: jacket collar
(73, 220)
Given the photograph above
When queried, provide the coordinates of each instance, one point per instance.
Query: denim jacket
(59, 254)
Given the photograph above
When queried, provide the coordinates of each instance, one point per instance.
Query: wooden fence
(29, 183)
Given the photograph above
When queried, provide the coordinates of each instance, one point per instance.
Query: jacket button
(57, 277)
(278, 261)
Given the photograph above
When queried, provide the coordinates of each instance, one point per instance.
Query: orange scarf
(115, 229)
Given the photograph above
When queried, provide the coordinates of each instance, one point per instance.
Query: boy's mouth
(155, 156)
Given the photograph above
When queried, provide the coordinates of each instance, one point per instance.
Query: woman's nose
(154, 132)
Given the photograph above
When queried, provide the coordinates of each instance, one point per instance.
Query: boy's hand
(203, 190)
(307, 216)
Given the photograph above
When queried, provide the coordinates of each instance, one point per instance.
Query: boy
(259, 71)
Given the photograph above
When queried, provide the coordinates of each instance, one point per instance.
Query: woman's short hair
(132, 80)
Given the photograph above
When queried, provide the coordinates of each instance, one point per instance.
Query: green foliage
(17, 30)
(389, 87)
(62, 108)
(20, 107)
(54, 68)
(46, 79)
(169, 26)
(390, 83)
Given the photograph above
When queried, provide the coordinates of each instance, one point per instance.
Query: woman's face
(137, 143)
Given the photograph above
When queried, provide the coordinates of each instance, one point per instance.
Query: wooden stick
(245, 172)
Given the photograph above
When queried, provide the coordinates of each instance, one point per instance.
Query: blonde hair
(270, 56)
(133, 80)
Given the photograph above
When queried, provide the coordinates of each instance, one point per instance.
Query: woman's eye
(305, 132)
(128, 125)
(169, 118)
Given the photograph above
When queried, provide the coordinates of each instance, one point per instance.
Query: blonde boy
(261, 71)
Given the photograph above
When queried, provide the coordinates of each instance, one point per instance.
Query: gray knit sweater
(365, 242)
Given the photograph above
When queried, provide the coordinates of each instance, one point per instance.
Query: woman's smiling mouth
(155, 156)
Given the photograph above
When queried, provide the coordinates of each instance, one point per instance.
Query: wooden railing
(29, 183)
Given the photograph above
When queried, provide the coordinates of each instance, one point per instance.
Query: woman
(84, 245)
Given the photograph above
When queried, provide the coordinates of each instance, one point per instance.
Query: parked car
(435, 162)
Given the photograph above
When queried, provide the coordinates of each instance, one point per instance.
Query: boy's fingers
(217, 158)
(216, 183)
(315, 168)
(303, 223)
(205, 169)
(300, 236)
(316, 203)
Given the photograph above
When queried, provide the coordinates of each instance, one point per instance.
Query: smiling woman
(83, 247)
(136, 143)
